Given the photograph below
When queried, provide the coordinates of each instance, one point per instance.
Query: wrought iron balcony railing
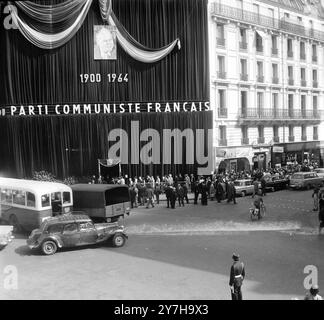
(221, 75)
(260, 78)
(222, 142)
(275, 80)
(279, 114)
(274, 51)
(237, 14)
(222, 112)
(243, 45)
(244, 77)
(221, 42)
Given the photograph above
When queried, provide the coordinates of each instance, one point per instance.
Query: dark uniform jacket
(236, 270)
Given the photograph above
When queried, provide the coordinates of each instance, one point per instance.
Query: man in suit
(105, 46)
(237, 276)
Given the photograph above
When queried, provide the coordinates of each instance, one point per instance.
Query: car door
(88, 233)
(249, 187)
(71, 235)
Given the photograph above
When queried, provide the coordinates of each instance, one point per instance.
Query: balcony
(290, 54)
(221, 75)
(291, 138)
(252, 18)
(243, 45)
(303, 83)
(274, 51)
(291, 82)
(314, 58)
(304, 138)
(220, 42)
(222, 112)
(259, 49)
(260, 78)
(315, 84)
(244, 77)
(276, 139)
(222, 142)
(260, 140)
(302, 56)
(245, 141)
(275, 80)
(275, 115)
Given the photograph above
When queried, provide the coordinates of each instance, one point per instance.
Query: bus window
(31, 202)
(45, 200)
(66, 197)
(6, 196)
(19, 197)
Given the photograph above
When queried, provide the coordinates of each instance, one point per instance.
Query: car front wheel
(118, 240)
(49, 247)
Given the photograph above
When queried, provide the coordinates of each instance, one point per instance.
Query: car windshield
(238, 183)
(297, 176)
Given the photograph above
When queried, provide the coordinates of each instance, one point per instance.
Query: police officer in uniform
(237, 276)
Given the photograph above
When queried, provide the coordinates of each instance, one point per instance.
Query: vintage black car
(74, 230)
(275, 183)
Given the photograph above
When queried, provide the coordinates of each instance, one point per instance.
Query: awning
(261, 33)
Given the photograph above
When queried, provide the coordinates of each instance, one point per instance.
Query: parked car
(275, 183)
(320, 172)
(5, 235)
(74, 230)
(301, 180)
(243, 187)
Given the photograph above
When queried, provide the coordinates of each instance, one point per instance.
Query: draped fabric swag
(76, 11)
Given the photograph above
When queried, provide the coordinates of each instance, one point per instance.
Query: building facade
(267, 82)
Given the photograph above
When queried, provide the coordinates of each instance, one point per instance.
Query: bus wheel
(118, 240)
(49, 247)
(14, 222)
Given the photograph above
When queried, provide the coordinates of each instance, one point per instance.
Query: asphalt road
(182, 253)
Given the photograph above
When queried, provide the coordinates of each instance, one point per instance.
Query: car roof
(66, 218)
(96, 187)
(304, 172)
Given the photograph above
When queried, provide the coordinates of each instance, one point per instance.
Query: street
(182, 253)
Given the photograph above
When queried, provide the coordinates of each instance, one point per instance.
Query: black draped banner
(70, 144)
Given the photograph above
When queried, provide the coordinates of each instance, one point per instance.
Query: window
(55, 228)
(86, 226)
(244, 102)
(258, 41)
(314, 51)
(290, 105)
(19, 197)
(290, 72)
(274, 41)
(243, 67)
(302, 74)
(303, 105)
(220, 34)
(31, 202)
(299, 19)
(275, 103)
(289, 47)
(221, 64)
(66, 197)
(70, 228)
(45, 200)
(314, 75)
(315, 132)
(302, 50)
(275, 131)
(256, 8)
(6, 195)
(261, 131)
(303, 132)
(260, 68)
(221, 99)
(274, 70)
(286, 14)
(260, 100)
(244, 130)
(239, 4)
(315, 103)
(291, 130)
(243, 35)
(271, 13)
